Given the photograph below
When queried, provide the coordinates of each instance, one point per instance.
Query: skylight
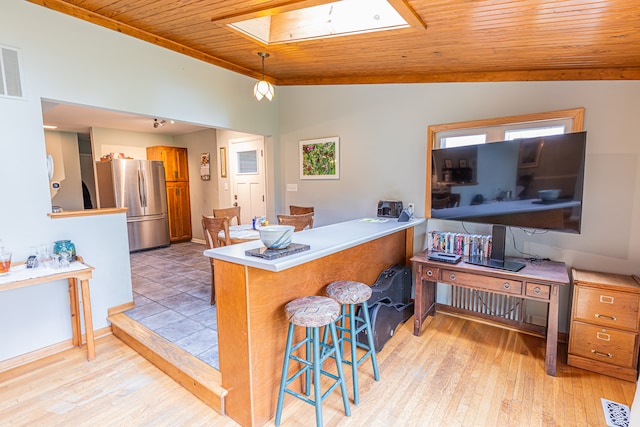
(338, 18)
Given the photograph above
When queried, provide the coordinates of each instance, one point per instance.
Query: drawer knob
(429, 273)
(506, 285)
(537, 290)
(601, 316)
(601, 354)
(452, 276)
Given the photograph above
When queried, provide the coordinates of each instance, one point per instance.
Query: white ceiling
(80, 118)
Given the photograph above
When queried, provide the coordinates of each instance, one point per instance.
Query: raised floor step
(199, 378)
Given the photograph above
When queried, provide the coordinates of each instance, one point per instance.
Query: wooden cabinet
(179, 211)
(176, 165)
(605, 321)
(176, 171)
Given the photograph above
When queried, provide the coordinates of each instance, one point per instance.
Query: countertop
(323, 241)
(499, 208)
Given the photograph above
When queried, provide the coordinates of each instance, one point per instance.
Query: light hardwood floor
(457, 373)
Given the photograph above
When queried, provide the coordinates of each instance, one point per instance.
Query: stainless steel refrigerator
(139, 186)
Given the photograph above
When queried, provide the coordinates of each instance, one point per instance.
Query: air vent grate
(488, 303)
(10, 78)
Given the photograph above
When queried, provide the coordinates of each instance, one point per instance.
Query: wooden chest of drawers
(605, 323)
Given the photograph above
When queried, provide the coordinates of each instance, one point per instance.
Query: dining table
(240, 234)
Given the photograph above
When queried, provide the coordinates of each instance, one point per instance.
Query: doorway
(247, 173)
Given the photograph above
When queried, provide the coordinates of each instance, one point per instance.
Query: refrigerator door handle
(142, 189)
(146, 218)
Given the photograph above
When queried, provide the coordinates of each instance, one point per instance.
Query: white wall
(383, 137)
(69, 60)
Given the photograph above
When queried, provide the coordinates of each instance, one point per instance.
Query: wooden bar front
(252, 326)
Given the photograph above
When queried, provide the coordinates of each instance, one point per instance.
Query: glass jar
(65, 246)
(5, 261)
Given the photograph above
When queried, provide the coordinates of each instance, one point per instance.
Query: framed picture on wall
(223, 162)
(530, 154)
(205, 171)
(320, 158)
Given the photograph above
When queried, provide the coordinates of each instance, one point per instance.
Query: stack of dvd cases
(461, 243)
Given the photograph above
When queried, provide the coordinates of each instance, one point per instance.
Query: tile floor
(172, 294)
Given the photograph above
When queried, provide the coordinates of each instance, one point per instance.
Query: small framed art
(320, 158)
(223, 162)
(530, 153)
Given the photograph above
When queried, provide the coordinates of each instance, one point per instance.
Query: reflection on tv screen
(529, 183)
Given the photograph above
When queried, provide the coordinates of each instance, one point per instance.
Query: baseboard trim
(42, 353)
(121, 308)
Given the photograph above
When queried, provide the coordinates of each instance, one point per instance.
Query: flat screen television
(534, 183)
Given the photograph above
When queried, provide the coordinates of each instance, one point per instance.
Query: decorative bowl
(66, 248)
(548, 195)
(276, 236)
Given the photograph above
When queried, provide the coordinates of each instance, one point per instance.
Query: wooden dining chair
(440, 203)
(233, 212)
(300, 222)
(300, 210)
(212, 227)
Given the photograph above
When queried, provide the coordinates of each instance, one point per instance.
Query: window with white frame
(501, 132)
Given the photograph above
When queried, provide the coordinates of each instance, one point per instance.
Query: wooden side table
(605, 324)
(19, 277)
(539, 281)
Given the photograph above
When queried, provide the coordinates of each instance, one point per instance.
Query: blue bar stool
(312, 313)
(349, 294)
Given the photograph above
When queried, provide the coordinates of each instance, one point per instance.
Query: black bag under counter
(390, 305)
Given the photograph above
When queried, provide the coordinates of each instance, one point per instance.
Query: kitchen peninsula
(251, 294)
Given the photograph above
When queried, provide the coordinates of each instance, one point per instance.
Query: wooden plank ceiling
(464, 40)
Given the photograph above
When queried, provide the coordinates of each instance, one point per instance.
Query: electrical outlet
(410, 207)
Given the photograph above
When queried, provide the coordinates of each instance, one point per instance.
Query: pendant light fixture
(263, 88)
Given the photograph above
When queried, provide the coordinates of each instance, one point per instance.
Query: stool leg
(374, 360)
(317, 392)
(343, 385)
(307, 375)
(354, 356)
(343, 327)
(285, 374)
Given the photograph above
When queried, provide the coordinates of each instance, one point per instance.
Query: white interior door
(246, 158)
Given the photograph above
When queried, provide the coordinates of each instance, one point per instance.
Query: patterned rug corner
(616, 414)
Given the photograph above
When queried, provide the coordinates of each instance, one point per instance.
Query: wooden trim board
(199, 378)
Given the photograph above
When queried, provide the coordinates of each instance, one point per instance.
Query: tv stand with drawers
(539, 280)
